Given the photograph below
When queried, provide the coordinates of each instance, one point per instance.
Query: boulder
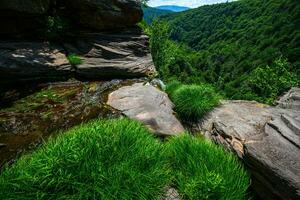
(32, 61)
(122, 54)
(267, 139)
(149, 105)
(105, 14)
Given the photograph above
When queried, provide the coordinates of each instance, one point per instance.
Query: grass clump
(203, 170)
(192, 102)
(104, 159)
(74, 60)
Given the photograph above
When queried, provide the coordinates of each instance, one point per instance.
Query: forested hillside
(250, 49)
(151, 13)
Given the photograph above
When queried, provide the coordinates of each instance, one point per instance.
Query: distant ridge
(151, 13)
(173, 8)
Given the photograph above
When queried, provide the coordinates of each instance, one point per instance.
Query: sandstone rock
(148, 105)
(113, 55)
(266, 138)
(106, 14)
(32, 61)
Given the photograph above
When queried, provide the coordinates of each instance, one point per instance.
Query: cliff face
(102, 33)
(60, 60)
(21, 17)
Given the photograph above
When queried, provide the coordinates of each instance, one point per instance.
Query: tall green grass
(121, 160)
(203, 170)
(110, 159)
(192, 102)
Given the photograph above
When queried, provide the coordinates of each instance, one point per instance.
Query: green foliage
(56, 27)
(223, 44)
(266, 83)
(104, 159)
(172, 87)
(192, 102)
(74, 60)
(120, 159)
(203, 170)
(173, 61)
(150, 14)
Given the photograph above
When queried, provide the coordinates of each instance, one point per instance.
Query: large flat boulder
(267, 139)
(149, 105)
(122, 54)
(32, 61)
(106, 14)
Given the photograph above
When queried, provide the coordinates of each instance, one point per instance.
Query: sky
(187, 3)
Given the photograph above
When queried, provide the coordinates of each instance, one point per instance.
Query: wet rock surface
(56, 107)
(266, 138)
(149, 105)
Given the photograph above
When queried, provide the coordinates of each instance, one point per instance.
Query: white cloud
(188, 3)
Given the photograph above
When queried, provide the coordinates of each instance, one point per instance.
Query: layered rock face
(112, 53)
(266, 138)
(20, 16)
(29, 61)
(106, 14)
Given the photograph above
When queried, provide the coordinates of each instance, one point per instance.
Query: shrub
(265, 84)
(74, 60)
(172, 86)
(104, 159)
(192, 102)
(203, 170)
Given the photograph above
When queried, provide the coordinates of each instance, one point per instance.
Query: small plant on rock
(74, 60)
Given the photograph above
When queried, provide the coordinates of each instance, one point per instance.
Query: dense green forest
(249, 49)
(151, 14)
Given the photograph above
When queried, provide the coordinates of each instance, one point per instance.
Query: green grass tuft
(104, 159)
(192, 102)
(74, 60)
(172, 87)
(203, 170)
